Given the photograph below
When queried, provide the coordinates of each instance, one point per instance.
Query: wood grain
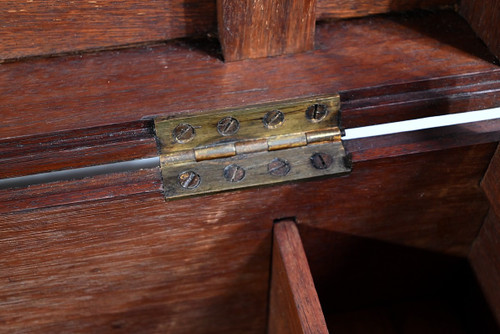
(114, 263)
(485, 259)
(294, 305)
(31, 28)
(114, 87)
(484, 18)
(260, 28)
(491, 183)
(77, 148)
(328, 9)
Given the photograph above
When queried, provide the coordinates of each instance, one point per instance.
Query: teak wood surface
(133, 262)
(78, 111)
(107, 253)
(36, 28)
(293, 302)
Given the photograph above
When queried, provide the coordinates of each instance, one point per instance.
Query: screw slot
(183, 133)
(189, 180)
(317, 112)
(228, 126)
(279, 167)
(321, 160)
(273, 119)
(234, 173)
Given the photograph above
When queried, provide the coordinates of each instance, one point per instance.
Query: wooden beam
(294, 303)
(262, 28)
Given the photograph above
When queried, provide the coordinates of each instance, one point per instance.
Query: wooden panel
(115, 87)
(262, 28)
(46, 27)
(77, 148)
(485, 259)
(114, 263)
(330, 9)
(134, 265)
(484, 17)
(491, 183)
(294, 305)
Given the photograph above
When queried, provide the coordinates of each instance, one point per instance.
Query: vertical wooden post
(294, 304)
(262, 28)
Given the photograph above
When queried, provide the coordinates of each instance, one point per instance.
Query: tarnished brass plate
(251, 123)
(256, 170)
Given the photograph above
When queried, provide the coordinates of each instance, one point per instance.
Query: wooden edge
(100, 187)
(294, 303)
(75, 149)
(485, 260)
(328, 9)
(428, 140)
(491, 183)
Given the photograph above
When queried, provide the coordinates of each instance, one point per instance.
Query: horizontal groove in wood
(114, 87)
(31, 28)
(341, 9)
(74, 149)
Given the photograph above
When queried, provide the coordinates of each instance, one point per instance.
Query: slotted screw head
(234, 173)
(317, 112)
(278, 167)
(273, 119)
(183, 133)
(321, 160)
(228, 126)
(189, 180)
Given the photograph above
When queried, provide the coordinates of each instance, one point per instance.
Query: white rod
(421, 124)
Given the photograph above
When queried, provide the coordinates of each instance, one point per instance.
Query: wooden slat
(263, 28)
(485, 259)
(294, 305)
(37, 27)
(76, 92)
(337, 9)
(484, 17)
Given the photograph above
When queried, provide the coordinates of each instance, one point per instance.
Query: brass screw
(273, 119)
(321, 160)
(228, 126)
(234, 173)
(317, 112)
(183, 133)
(278, 167)
(189, 180)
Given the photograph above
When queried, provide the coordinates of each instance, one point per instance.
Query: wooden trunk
(407, 242)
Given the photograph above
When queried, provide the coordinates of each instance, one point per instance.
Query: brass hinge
(252, 146)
